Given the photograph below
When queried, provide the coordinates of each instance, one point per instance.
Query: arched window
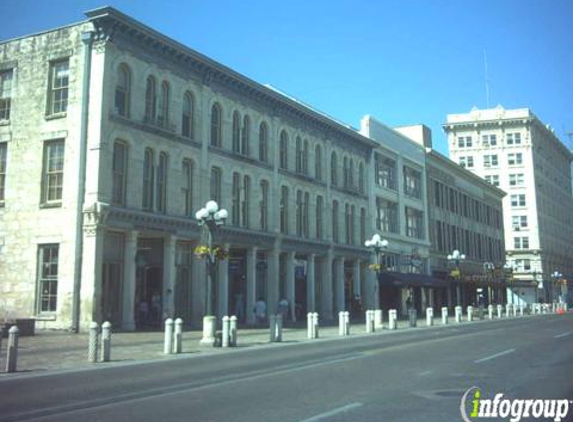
(317, 162)
(264, 205)
(298, 155)
(119, 172)
(162, 183)
(319, 211)
(245, 133)
(163, 117)
(236, 200)
(236, 132)
(284, 210)
(305, 207)
(299, 212)
(150, 100)
(345, 178)
(283, 162)
(123, 91)
(216, 125)
(305, 157)
(334, 169)
(263, 142)
(361, 178)
(351, 174)
(245, 201)
(187, 112)
(187, 186)
(147, 191)
(335, 238)
(362, 226)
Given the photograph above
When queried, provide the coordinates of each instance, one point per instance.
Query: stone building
(514, 150)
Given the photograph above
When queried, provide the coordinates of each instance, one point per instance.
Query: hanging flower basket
(376, 267)
(202, 251)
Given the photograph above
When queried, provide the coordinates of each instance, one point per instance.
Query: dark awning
(390, 278)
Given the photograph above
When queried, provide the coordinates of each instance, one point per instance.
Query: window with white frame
(514, 159)
(519, 222)
(386, 215)
(466, 161)
(492, 179)
(216, 184)
(58, 87)
(523, 265)
(414, 221)
(187, 112)
(518, 200)
(465, 141)
(122, 90)
(53, 174)
(489, 140)
(5, 93)
(412, 182)
(490, 160)
(513, 138)
(521, 242)
(516, 179)
(385, 172)
(47, 278)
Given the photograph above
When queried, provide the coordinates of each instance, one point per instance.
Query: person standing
(260, 311)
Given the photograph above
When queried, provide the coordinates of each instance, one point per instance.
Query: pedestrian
(283, 308)
(260, 311)
(239, 306)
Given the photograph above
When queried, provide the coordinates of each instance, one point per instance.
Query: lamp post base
(209, 330)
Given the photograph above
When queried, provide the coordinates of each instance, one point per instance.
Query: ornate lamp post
(509, 270)
(556, 275)
(456, 258)
(379, 245)
(209, 217)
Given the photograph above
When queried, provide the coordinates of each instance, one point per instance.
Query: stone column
(339, 280)
(223, 283)
(356, 282)
(289, 286)
(310, 283)
(129, 282)
(251, 284)
(272, 281)
(326, 284)
(91, 289)
(168, 277)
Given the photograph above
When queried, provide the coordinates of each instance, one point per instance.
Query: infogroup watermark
(475, 407)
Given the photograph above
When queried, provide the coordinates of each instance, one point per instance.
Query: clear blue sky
(402, 61)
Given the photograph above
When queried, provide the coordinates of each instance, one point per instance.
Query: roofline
(35, 34)
(109, 12)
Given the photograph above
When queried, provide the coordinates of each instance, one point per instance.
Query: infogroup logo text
(514, 409)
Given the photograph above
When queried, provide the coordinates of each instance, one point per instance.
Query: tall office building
(514, 150)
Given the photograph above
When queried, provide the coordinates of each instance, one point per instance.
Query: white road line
(506, 352)
(333, 412)
(423, 374)
(564, 334)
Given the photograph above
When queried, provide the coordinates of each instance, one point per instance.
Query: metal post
(470, 313)
(279, 336)
(309, 326)
(168, 338)
(12, 351)
(429, 317)
(315, 324)
(445, 315)
(346, 323)
(341, 323)
(233, 331)
(273, 328)
(106, 341)
(178, 340)
(93, 346)
(392, 317)
(458, 310)
(378, 319)
(225, 333)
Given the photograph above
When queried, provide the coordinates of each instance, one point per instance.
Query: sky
(401, 61)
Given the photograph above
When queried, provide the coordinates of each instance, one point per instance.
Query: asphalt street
(412, 375)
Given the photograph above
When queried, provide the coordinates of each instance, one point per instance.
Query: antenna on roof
(486, 80)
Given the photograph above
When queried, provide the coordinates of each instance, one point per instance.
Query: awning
(390, 278)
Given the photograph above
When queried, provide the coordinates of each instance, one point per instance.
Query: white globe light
(221, 214)
(212, 207)
(462, 256)
(456, 254)
(198, 214)
(376, 238)
(384, 243)
(450, 257)
(368, 243)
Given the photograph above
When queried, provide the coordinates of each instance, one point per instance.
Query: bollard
(309, 326)
(346, 323)
(368, 318)
(490, 311)
(392, 317)
(225, 332)
(315, 324)
(445, 315)
(273, 328)
(378, 319)
(93, 346)
(372, 321)
(12, 350)
(507, 310)
(514, 310)
(178, 336)
(470, 313)
(458, 313)
(341, 323)
(168, 338)
(106, 341)
(429, 317)
(521, 310)
(499, 311)
(413, 317)
(233, 331)
(279, 334)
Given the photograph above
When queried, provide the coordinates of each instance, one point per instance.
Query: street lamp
(210, 217)
(556, 275)
(509, 270)
(456, 258)
(378, 245)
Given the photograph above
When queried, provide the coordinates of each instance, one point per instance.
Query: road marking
(423, 374)
(564, 334)
(333, 412)
(506, 352)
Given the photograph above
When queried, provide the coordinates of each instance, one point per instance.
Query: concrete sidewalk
(52, 350)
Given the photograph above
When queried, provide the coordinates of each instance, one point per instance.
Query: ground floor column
(339, 282)
(168, 303)
(356, 282)
(129, 280)
(290, 284)
(91, 289)
(310, 284)
(251, 284)
(326, 287)
(223, 286)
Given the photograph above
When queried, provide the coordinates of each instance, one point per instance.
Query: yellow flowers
(202, 251)
(376, 267)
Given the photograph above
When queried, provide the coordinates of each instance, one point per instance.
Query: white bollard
(490, 311)
(429, 317)
(470, 313)
(178, 336)
(273, 328)
(392, 319)
(445, 315)
(315, 324)
(279, 335)
(93, 347)
(368, 318)
(499, 311)
(341, 323)
(168, 337)
(106, 341)
(458, 310)
(225, 332)
(346, 323)
(514, 310)
(507, 310)
(378, 319)
(309, 326)
(521, 310)
(233, 331)
(12, 351)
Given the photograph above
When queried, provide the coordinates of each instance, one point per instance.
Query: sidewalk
(54, 350)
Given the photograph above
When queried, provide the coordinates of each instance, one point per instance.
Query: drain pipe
(87, 39)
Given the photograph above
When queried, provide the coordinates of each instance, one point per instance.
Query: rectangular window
(412, 182)
(385, 172)
(518, 200)
(489, 140)
(523, 264)
(513, 138)
(264, 205)
(58, 87)
(516, 179)
(515, 159)
(5, 94)
(3, 154)
(215, 188)
(466, 161)
(465, 142)
(47, 278)
(521, 242)
(414, 221)
(119, 172)
(148, 171)
(490, 160)
(187, 186)
(492, 179)
(53, 173)
(284, 210)
(386, 216)
(319, 211)
(519, 222)
(162, 183)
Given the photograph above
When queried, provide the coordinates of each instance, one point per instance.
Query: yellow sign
(455, 273)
